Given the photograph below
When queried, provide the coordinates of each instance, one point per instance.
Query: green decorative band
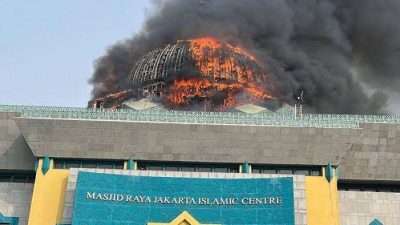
(280, 118)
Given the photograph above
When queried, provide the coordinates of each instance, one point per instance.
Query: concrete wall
(363, 207)
(370, 152)
(15, 153)
(185, 142)
(299, 187)
(15, 200)
(375, 154)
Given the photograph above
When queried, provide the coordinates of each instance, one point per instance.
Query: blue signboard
(108, 199)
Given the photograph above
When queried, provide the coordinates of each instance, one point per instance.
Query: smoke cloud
(309, 45)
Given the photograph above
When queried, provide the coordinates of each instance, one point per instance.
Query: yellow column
(48, 196)
(322, 201)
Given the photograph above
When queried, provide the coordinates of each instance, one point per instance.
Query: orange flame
(229, 76)
(222, 73)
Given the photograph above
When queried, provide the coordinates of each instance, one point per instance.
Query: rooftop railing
(285, 118)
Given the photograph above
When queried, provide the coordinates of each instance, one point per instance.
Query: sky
(47, 48)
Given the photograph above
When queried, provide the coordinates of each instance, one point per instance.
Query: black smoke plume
(331, 49)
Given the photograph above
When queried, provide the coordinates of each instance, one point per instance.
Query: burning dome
(200, 74)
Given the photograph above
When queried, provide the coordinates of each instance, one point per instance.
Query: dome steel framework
(204, 72)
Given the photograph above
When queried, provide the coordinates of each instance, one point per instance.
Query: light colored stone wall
(15, 153)
(67, 138)
(15, 200)
(370, 152)
(298, 183)
(359, 208)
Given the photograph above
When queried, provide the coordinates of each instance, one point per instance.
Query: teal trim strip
(245, 168)
(9, 220)
(131, 164)
(329, 174)
(376, 222)
(36, 164)
(45, 164)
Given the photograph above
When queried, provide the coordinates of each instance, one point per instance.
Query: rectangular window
(256, 171)
(31, 179)
(302, 172)
(285, 171)
(142, 167)
(105, 166)
(188, 169)
(233, 170)
(384, 189)
(154, 167)
(72, 165)
(280, 169)
(89, 165)
(354, 189)
(221, 170)
(20, 179)
(5, 178)
(269, 171)
(58, 164)
(119, 166)
(205, 169)
(372, 189)
(172, 168)
(397, 190)
(316, 173)
(17, 178)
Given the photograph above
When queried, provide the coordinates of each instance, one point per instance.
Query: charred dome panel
(198, 74)
(156, 65)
